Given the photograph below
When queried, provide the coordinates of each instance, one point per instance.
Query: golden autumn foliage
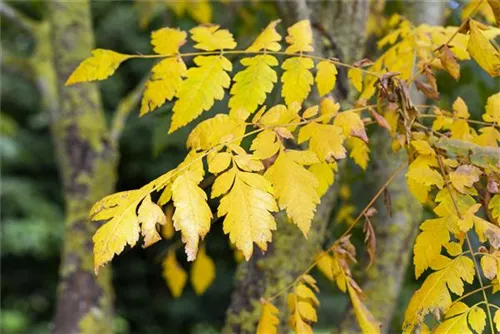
(291, 153)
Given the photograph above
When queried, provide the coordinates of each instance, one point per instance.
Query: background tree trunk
(395, 234)
(87, 162)
(290, 253)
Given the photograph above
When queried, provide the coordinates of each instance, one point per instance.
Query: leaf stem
(472, 292)
(244, 52)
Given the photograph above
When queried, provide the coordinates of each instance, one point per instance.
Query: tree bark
(290, 253)
(395, 234)
(87, 162)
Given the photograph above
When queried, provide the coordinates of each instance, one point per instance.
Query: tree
(283, 158)
(86, 151)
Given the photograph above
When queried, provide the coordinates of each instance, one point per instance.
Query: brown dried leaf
(370, 240)
(449, 62)
(427, 89)
(381, 121)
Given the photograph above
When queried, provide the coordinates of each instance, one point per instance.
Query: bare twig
(21, 20)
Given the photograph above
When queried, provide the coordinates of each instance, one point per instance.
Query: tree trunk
(87, 163)
(290, 253)
(395, 235)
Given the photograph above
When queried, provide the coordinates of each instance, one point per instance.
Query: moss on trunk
(87, 162)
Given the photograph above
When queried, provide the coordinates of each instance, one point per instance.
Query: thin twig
(244, 52)
(323, 253)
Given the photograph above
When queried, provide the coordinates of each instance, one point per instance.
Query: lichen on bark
(87, 163)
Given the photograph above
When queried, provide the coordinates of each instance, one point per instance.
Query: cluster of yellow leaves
(302, 303)
(465, 165)
(202, 273)
(196, 89)
(408, 45)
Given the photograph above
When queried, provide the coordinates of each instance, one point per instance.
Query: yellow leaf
(325, 140)
(166, 78)
(310, 112)
(296, 190)
(460, 130)
(203, 272)
(324, 264)
(167, 41)
(300, 37)
(247, 208)
(494, 206)
(428, 245)
(268, 319)
(307, 311)
(305, 293)
(356, 76)
(212, 131)
(425, 176)
(202, 86)
(423, 147)
(303, 157)
(265, 145)
(280, 114)
(219, 162)
(123, 228)
(101, 65)
(325, 175)
(253, 83)
(489, 136)
(351, 124)
(192, 214)
(460, 108)
(464, 177)
(326, 77)
(495, 7)
(482, 51)
(210, 38)
(456, 320)
(493, 109)
(489, 266)
(365, 319)
(150, 214)
(297, 79)
(248, 163)
(174, 274)
(167, 230)
(223, 183)
(360, 152)
(433, 295)
(267, 40)
(328, 109)
(477, 319)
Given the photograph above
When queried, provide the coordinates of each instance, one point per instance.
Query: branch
(22, 65)
(123, 110)
(21, 20)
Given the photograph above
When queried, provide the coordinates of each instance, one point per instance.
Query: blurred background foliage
(31, 198)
